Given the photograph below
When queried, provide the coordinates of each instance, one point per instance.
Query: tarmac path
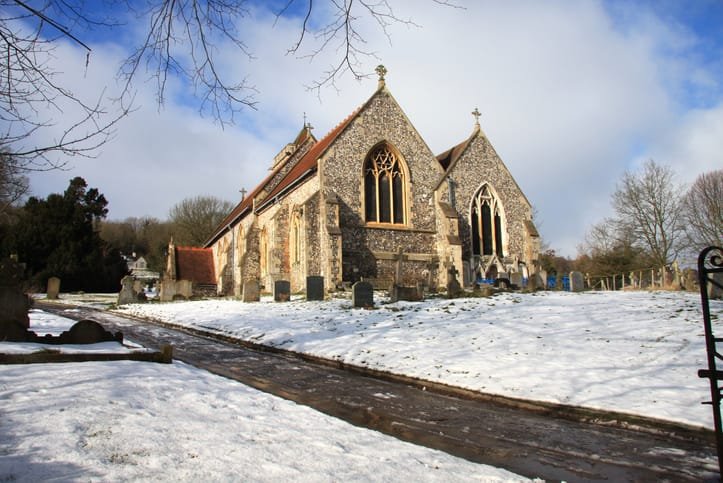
(526, 442)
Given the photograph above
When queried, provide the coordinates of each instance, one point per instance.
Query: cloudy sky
(572, 94)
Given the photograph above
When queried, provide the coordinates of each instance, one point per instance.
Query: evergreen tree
(58, 236)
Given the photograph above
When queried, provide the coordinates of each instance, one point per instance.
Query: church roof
(310, 159)
(195, 264)
(303, 168)
(450, 156)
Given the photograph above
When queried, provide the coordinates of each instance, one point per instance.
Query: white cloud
(570, 99)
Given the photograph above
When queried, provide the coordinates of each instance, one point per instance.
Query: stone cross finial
(476, 115)
(381, 71)
(243, 193)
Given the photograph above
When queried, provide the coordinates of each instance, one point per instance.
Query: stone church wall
(342, 171)
(478, 165)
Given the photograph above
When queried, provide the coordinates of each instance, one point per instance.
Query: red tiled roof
(195, 264)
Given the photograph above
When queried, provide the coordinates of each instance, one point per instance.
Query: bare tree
(648, 206)
(183, 40)
(194, 219)
(703, 211)
(13, 185)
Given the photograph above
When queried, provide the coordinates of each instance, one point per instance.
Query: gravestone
(88, 332)
(314, 287)
(410, 294)
(577, 282)
(53, 288)
(516, 279)
(282, 291)
(454, 289)
(535, 282)
(362, 295)
(127, 295)
(715, 291)
(543, 276)
(14, 304)
(251, 291)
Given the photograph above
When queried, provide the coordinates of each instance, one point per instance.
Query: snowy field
(634, 352)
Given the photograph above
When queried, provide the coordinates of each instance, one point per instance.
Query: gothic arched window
(486, 221)
(384, 187)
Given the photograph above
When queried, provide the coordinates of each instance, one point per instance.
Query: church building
(370, 201)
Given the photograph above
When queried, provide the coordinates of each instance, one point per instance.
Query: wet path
(524, 442)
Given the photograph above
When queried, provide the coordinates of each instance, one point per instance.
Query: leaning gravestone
(14, 304)
(251, 291)
(53, 288)
(577, 282)
(314, 287)
(362, 295)
(282, 291)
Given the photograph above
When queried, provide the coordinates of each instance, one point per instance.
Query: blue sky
(572, 94)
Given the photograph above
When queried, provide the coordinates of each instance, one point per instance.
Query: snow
(634, 352)
(136, 421)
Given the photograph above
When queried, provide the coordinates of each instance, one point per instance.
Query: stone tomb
(282, 291)
(577, 282)
(53, 288)
(251, 291)
(362, 295)
(410, 294)
(314, 287)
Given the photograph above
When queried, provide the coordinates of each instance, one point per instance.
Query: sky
(572, 94)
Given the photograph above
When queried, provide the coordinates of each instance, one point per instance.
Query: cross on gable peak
(476, 115)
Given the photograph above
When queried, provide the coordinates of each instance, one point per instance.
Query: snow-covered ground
(136, 421)
(635, 352)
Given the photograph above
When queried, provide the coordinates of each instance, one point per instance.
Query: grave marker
(53, 288)
(282, 291)
(577, 282)
(314, 287)
(251, 291)
(362, 295)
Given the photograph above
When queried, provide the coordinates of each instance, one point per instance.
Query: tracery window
(384, 187)
(487, 223)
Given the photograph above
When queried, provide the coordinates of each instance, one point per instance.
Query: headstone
(314, 287)
(127, 295)
(577, 282)
(282, 291)
(543, 276)
(251, 291)
(516, 279)
(362, 295)
(715, 290)
(454, 289)
(53, 288)
(14, 304)
(535, 282)
(410, 294)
